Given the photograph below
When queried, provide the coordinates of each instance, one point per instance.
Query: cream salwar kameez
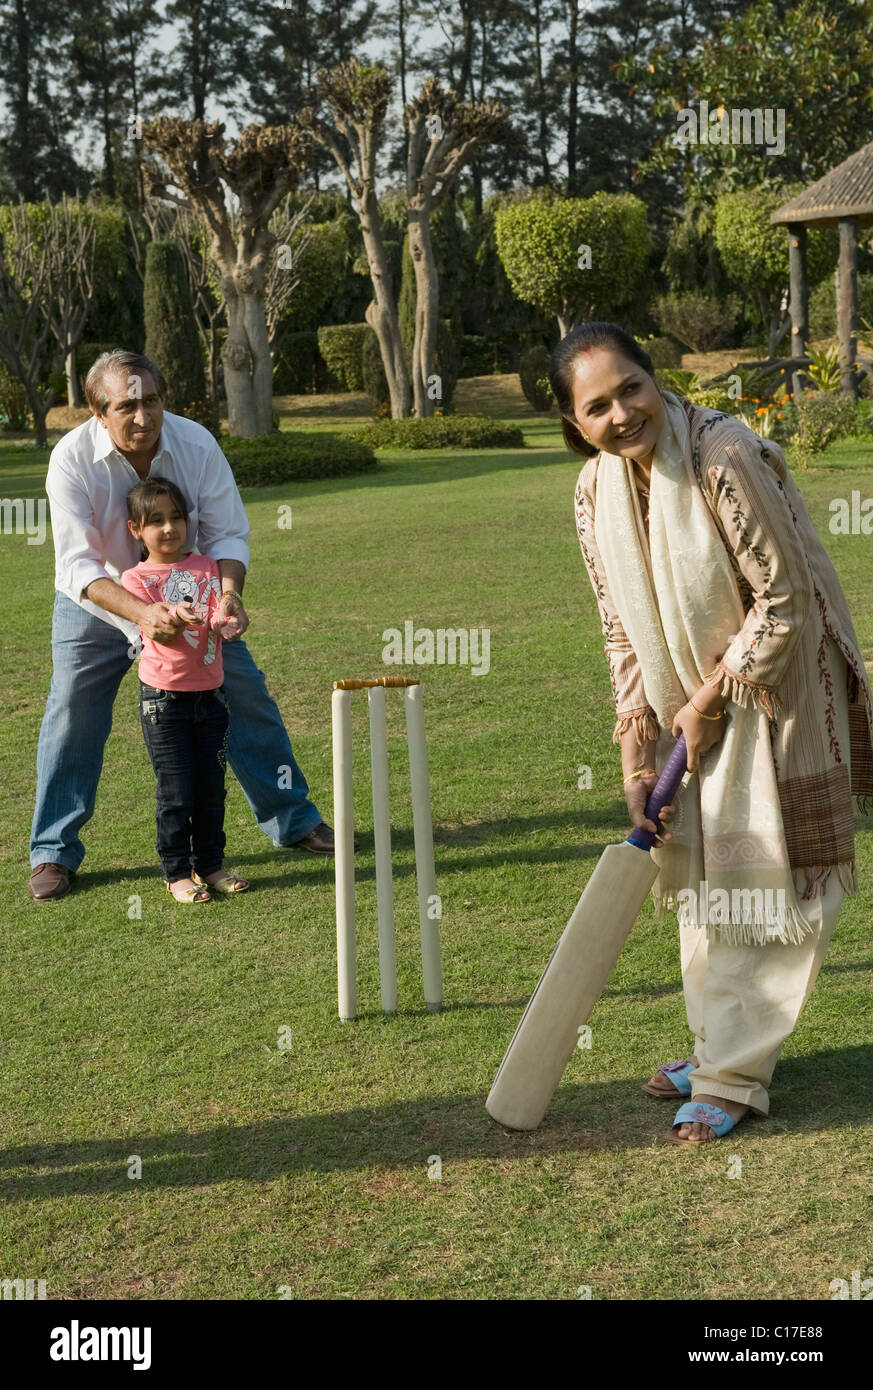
(796, 657)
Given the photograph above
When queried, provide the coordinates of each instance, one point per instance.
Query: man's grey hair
(119, 362)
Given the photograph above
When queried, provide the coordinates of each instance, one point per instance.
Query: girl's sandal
(679, 1077)
(226, 885)
(190, 895)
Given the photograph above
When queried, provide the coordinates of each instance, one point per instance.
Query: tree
(813, 61)
(203, 63)
(172, 340)
(46, 279)
(357, 94)
(106, 41)
(577, 258)
(310, 258)
(258, 168)
(755, 254)
(37, 158)
(444, 135)
(163, 220)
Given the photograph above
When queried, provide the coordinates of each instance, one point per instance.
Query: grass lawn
(156, 1036)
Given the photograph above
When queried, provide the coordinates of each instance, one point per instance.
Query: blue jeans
(186, 734)
(90, 657)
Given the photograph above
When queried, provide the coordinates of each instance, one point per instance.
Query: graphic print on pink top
(193, 661)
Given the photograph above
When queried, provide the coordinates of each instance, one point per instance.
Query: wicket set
(344, 854)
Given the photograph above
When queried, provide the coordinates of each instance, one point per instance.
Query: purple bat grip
(665, 790)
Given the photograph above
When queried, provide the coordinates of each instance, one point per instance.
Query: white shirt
(87, 485)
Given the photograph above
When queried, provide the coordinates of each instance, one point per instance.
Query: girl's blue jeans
(90, 657)
(186, 735)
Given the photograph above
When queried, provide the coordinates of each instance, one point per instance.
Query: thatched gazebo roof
(843, 197)
(845, 191)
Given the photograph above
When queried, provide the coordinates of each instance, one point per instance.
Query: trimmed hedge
(299, 367)
(340, 344)
(440, 432)
(285, 456)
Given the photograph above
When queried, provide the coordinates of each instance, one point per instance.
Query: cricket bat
(579, 967)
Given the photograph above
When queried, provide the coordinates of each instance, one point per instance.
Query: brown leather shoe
(49, 881)
(318, 841)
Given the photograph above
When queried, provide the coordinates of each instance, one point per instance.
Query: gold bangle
(231, 593)
(641, 773)
(705, 716)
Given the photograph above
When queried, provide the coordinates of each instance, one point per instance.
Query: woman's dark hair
(563, 362)
(141, 499)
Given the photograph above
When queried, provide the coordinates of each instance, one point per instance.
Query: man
(96, 623)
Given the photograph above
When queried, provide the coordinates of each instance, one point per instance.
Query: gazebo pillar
(798, 297)
(847, 305)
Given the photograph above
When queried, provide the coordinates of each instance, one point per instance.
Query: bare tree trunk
(236, 355)
(39, 409)
(427, 293)
(381, 312)
(255, 321)
(75, 396)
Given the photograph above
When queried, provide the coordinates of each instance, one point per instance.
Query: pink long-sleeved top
(193, 661)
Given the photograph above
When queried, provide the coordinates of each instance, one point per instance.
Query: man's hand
(159, 623)
(233, 616)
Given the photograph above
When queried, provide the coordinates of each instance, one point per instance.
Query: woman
(724, 620)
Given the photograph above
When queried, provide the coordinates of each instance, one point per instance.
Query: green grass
(158, 1036)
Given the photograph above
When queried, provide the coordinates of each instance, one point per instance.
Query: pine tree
(36, 158)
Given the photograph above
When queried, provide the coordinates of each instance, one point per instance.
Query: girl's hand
(700, 734)
(637, 794)
(231, 608)
(189, 612)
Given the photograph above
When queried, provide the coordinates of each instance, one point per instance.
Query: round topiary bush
(533, 365)
(287, 455)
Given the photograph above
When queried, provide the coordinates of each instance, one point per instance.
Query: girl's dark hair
(141, 498)
(563, 362)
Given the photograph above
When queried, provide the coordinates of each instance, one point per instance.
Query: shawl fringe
(744, 692)
(644, 724)
(752, 927)
(750, 930)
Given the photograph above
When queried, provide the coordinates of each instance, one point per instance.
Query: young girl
(182, 703)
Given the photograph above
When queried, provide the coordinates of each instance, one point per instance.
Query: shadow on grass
(812, 1095)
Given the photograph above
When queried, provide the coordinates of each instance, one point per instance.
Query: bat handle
(662, 795)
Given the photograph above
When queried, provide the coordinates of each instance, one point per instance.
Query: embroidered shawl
(763, 520)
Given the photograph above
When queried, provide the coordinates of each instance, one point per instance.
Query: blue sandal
(698, 1111)
(679, 1074)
